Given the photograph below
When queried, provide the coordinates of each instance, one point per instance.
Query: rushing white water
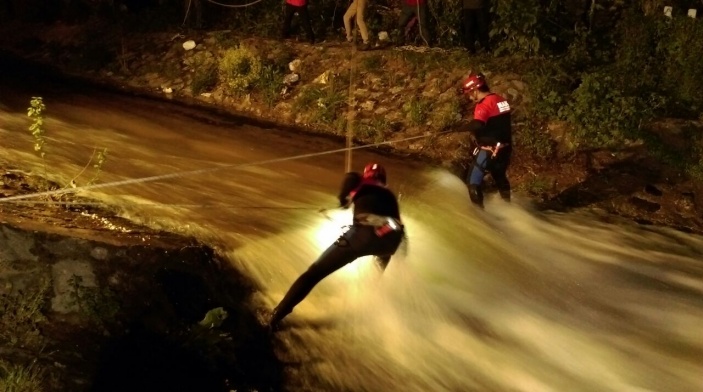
(507, 299)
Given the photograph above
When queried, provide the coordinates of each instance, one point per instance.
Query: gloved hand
(344, 203)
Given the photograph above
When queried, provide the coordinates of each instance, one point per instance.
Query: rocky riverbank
(381, 95)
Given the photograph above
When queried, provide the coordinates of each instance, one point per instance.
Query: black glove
(344, 202)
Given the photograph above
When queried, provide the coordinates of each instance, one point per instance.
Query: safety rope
(350, 99)
(163, 205)
(221, 5)
(208, 170)
(236, 5)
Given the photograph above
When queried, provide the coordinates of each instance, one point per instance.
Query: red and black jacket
(368, 196)
(492, 121)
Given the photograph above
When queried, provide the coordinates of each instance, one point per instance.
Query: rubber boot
(505, 195)
(476, 195)
(276, 316)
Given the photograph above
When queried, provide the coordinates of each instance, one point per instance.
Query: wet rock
(361, 92)
(368, 106)
(99, 253)
(189, 45)
(519, 85)
(17, 248)
(560, 132)
(381, 111)
(323, 78)
(687, 203)
(295, 65)
(644, 205)
(513, 94)
(375, 81)
(218, 95)
(291, 79)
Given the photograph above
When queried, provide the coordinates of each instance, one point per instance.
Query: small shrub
(537, 185)
(604, 114)
(680, 50)
(535, 140)
(375, 130)
(417, 110)
(270, 83)
(36, 113)
(204, 79)
(325, 102)
(447, 114)
(516, 26)
(19, 378)
(171, 69)
(239, 69)
(373, 62)
(549, 88)
(98, 165)
(21, 315)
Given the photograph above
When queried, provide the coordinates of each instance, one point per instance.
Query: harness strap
(494, 149)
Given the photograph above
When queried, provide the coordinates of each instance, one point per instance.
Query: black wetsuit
(370, 234)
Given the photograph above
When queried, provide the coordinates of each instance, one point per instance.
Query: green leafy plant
(270, 83)
(204, 79)
(535, 140)
(417, 110)
(36, 113)
(375, 130)
(239, 69)
(373, 62)
(537, 185)
(604, 114)
(324, 102)
(517, 27)
(21, 378)
(21, 315)
(446, 114)
(98, 165)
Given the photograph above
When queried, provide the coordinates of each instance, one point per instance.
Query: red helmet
(473, 82)
(375, 171)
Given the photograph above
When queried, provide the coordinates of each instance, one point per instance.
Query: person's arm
(351, 182)
(472, 126)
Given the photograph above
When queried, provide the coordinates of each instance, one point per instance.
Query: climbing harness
(382, 224)
(494, 150)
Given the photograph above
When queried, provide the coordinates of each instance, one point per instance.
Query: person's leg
(335, 257)
(288, 12)
(385, 246)
(360, 21)
(476, 175)
(472, 26)
(351, 11)
(406, 14)
(307, 23)
(465, 28)
(482, 29)
(498, 172)
(423, 21)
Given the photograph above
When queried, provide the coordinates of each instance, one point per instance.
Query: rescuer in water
(376, 230)
(491, 129)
